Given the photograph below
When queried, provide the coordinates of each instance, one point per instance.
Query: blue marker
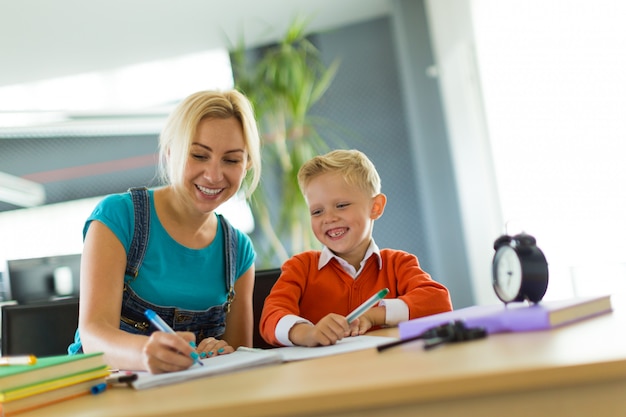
(367, 305)
(162, 326)
(97, 389)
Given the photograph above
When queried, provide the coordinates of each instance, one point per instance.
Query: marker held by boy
(162, 326)
(367, 305)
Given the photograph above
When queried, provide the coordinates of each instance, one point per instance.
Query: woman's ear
(380, 200)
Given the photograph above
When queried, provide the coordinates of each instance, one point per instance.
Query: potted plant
(284, 82)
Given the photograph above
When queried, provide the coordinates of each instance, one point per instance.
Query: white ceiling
(42, 39)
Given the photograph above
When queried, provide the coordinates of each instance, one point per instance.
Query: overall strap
(230, 259)
(139, 244)
(141, 232)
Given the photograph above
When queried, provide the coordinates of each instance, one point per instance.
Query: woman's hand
(167, 352)
(210, 347)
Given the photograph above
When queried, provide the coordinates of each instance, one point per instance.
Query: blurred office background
(482, 117)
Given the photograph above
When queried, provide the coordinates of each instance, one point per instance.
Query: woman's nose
(213, 171)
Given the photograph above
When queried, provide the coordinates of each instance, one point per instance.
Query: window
(114, 100)
(554, 90)
(137, 90)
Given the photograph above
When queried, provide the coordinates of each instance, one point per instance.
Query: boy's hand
(373, 317)
(327, 331)
(362, 324)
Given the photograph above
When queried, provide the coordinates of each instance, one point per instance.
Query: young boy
(317, 289)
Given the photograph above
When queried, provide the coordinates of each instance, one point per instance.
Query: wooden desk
(578, 370)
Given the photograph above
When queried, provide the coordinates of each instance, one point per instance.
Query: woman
(191, 266)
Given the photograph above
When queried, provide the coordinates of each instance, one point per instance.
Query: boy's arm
(281, 307)
(422, 295)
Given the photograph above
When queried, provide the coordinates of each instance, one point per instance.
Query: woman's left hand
(211, 347)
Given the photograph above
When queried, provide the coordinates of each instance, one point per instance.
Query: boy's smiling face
(342, 215)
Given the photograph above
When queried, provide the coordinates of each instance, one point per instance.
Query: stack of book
(50, 380)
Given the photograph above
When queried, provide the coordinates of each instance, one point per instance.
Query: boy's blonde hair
(353, 165)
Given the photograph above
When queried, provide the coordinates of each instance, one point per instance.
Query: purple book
(514, 317)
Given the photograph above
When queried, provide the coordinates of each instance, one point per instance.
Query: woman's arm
(240, 320)
(103, 264)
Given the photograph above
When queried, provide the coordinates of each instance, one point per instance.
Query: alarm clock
(519, 269)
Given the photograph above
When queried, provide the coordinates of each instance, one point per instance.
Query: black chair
(263, 282)
(47, 328)
(40, 329)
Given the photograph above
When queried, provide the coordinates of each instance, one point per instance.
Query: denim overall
(204, 323)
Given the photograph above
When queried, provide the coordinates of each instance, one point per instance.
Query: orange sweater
(307, 292)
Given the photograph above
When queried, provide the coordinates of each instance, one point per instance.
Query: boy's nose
(329, 217)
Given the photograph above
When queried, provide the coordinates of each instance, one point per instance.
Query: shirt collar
(327, 255)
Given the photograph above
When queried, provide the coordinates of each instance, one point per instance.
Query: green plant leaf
(284, 83)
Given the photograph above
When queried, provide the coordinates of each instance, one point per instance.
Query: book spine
(493, 320)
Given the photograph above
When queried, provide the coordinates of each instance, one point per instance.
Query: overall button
(182, 317)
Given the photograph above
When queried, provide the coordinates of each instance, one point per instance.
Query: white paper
(348, 344)
(244, 358)
(240, 359)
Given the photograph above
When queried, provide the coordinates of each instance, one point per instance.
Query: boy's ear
(380, 200)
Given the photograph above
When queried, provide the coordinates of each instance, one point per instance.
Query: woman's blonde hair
(180, 130)
(354, 166)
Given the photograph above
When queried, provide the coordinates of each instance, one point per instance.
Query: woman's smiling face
(217, 163)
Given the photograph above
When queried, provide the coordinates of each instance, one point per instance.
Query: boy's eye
(343, 205)
(316, 212)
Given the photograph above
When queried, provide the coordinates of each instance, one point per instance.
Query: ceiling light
(21, 192)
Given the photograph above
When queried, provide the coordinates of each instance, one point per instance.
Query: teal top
(171, 274)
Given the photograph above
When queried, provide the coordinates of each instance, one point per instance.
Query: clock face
(507, 274)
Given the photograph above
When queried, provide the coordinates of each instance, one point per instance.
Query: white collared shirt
(327, 255)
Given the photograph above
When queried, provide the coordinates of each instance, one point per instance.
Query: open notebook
(246, 358)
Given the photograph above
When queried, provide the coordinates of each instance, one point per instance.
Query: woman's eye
(233, 161)
(199, 157)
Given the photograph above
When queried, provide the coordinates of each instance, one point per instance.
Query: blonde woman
(167, 250)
